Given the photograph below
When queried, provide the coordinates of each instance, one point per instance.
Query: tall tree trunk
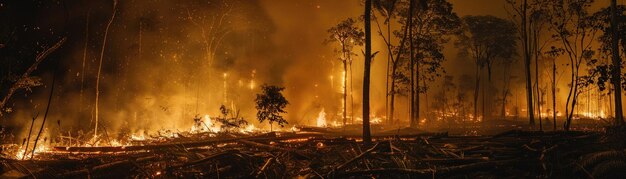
(505, 90)
(104, 42)
(535, 49)
(617, 61)
(82, 72)
(389, 58)
(392, 99)
(484, 103)
(345, 91)
(351, 92)
(476, 90)
(525, 42)
(367, 138)
(45, 115)
(554, 94)
(412, 69)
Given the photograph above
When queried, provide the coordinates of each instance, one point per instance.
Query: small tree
(270, 104)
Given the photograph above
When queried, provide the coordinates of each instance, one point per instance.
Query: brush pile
(319, 155)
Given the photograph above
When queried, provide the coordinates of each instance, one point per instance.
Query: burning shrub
(229, 123)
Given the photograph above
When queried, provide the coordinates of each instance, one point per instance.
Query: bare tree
(521, 17)
(569, 23)
(347, 36)
(387, 9)
(104, 42)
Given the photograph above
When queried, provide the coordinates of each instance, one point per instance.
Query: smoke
(158, 73)
(168, 61)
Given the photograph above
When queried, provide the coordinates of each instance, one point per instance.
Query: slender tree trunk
(45, 115)
(617, 61)
(28, 139)
(484, 102)
(392, 99)
(554, 94)
(535, 49)
(345, 91)
(104, 42)
(82, 72)
(367, 138)
(505, 90)
(389, 57)
(525, 42)
(476, 90)
(351, 92)
(426, 104)
(413, 109)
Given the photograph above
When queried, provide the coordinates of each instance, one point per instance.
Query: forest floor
(315, 152)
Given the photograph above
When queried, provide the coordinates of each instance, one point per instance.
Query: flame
(22, 153)
(139, 137)
(248, 129)
(213, 127)
(376, 120)
(321, 119)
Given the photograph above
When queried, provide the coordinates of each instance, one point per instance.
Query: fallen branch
(356, 158)
(267, 164)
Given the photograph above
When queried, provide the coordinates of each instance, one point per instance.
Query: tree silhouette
(367, 138)
(347, 36)
(270, 104)
(486, 39)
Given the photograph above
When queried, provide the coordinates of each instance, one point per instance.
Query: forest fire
(312, 89)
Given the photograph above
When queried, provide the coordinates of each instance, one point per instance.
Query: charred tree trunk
(367, 138)
(505, 90)
(616, 72)
(527, 59)
(389, 59)
(45, 115)
(476, 90)
(412, 105)
(525, 42)
(554, 94)
(536, 52)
